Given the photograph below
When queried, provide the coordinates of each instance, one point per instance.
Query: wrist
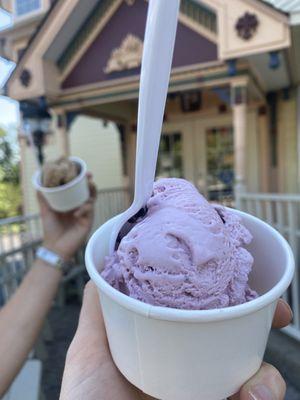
(53, 259)
(63, 254)
(43, 265)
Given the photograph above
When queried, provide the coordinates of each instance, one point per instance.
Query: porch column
(24, 182)
(130, 143)
(63, 135)
(239, 111)
(264, 148)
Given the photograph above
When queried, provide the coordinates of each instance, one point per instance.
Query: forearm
(21, 319)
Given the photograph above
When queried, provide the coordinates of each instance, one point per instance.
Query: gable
(191, 47)
(72, 47)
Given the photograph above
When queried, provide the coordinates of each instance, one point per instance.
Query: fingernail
(260, 392)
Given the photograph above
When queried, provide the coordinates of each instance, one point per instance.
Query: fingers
(84, 211)
(267, 384)
(92, 186)
(283, 314)
(44, 207)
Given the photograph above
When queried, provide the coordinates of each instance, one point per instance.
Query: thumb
(90, 319)
(266, 384)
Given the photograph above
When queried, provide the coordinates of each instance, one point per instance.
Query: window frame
(40, 10)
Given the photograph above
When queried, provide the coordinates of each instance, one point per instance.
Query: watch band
(51, 258)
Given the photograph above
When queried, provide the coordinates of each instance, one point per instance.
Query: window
(169, 163)
(23, 7)
(220, 164)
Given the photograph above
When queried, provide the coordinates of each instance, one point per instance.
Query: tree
(9, 167)
(10, 194)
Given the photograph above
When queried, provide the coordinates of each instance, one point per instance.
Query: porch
(215, 134)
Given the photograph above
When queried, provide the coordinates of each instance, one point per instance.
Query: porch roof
(291, 7)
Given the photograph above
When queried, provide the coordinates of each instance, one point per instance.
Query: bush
(10, 199)
(10, 193)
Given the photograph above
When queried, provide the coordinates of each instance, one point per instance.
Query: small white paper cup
(65, 197)
(175, 354)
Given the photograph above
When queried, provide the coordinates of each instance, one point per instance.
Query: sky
(8, 107)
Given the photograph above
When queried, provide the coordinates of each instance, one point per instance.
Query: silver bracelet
(52, 259)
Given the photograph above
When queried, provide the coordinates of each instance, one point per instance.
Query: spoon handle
(155, 73)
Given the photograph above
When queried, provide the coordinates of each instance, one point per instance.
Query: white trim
(217, 5)
(115, 83)
(298, 130)
(44, 5)
(187, 21)
(89, 40)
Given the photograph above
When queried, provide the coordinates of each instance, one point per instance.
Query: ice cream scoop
(64, 197)
(185, 253)
(59, 172)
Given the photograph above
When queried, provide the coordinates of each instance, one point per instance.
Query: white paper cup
(175, 354)
(65, 197)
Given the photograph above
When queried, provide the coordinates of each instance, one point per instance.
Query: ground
(63, 322)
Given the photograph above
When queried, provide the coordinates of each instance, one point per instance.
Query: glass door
(170, 156)
(220, 164)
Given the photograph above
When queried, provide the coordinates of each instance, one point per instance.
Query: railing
(282, 211)
(110, 202)
(19, 237)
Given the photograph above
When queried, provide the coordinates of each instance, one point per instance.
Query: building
(232, 119)
(107, 169)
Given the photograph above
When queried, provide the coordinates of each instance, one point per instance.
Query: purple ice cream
(185, 253)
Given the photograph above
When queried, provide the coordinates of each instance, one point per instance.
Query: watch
(52, 259)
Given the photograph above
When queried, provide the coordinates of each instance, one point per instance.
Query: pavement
(63, 322)
(282, 352)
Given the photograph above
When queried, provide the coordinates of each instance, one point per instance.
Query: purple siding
(190, 47)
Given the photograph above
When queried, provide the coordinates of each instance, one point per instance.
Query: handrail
(269, 196)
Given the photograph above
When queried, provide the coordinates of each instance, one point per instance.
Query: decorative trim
(219, 78)
(197, 17)
(246, 26)
(85, 31)
(111, 84)
(239, 95)
(232, 47)
(200, 14)
(25, 78)
(127, 56)
(196, 27)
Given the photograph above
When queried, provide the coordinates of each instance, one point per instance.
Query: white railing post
(239, 110)
(281, 211)
(293, 240)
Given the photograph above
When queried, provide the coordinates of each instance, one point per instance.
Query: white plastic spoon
(155, 74)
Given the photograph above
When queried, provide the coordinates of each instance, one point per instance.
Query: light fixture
(274, 60)
(36, 122)
(190, 101)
